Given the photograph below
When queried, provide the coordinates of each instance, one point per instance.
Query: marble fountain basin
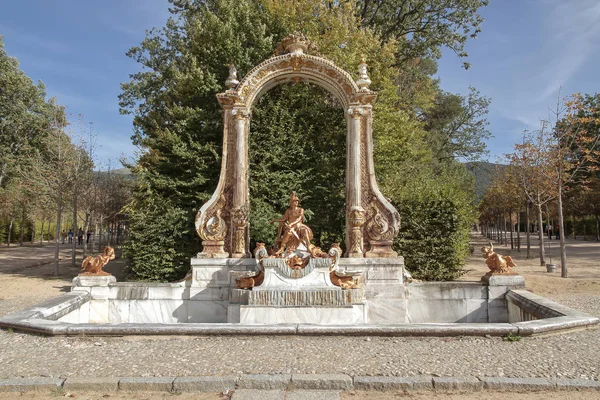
(383, 305)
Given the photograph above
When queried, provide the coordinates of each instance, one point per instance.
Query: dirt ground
(27, 273)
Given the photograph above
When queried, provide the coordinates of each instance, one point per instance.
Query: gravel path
(574, 355)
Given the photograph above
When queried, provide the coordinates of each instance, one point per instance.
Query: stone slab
(446, 290)
(92, 384)
(576, 384)
(467, 384)
(30, 384)
(387, 383)
(147, 384)
(541, 326)
(516, 384)
(313, 395)
(318, 315)
(504, 280)
(255, 394)
(321, 382)
(91, 281)
(265, 382)
(204, 383)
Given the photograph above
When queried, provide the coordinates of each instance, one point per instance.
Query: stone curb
(30, 384)
(321, 382)
(91, 384)
(204, 383)
(147, 384)
(294, 382)
(265, 382)
(386, 383)
(467, 384)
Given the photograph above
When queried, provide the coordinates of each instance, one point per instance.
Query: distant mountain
(483, 172)
(124, 172)
(121, 171)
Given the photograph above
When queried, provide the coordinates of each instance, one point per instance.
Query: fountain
(293, 287)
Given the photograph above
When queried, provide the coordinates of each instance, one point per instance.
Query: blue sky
(527, 50)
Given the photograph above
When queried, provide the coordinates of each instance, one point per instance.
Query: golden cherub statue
(93, 265)
(496, 263)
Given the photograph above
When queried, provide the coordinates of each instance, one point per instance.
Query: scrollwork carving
(214, 226)
(378, 227)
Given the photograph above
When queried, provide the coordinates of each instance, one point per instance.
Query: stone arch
(371, 221)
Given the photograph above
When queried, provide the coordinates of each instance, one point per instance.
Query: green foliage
(296, 143)
(297, 134)
(159, 242)
(457, 125)
(509, 337)
(423, 27)
(430, 239)
(437, 213)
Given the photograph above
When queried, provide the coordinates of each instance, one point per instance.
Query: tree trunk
(22, 227)
(32, 232)
(584, 230)
(519, 230)
(505, 231)
(574, 230)
(57, 234)
(101, 232)
(528, 231)
(512, 228)
(75, 230)
(541, 235)
(597, 228)
(561, 231)
(86, 227)
(42, 233)
(12, 220)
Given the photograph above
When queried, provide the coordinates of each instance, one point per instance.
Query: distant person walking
(70, 235)
(549, 231)
(80, 236)
(89, 234)
(63, 235)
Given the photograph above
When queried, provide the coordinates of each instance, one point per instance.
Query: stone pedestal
(381, 249)
(497, 287)
(92, 280)
(384, 287)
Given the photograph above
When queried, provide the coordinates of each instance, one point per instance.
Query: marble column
(355, 215)
(239, 209)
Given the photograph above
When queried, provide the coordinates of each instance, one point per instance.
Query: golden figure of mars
(291, 231)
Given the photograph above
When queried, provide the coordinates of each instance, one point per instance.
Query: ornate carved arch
(371, 221)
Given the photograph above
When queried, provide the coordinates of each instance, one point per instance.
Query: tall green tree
(24, 114)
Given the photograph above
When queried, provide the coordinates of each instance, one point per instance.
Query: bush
(433, 238)
(161, 242)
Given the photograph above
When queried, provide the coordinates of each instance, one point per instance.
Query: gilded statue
(291, 231)
(251, 279)
(496, 263)
(93, 265)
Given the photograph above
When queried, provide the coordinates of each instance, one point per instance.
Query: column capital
(240, 113)
(356, 111)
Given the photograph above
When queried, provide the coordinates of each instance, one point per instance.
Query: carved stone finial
(294, 43)
(363, 81)
(232, 80)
